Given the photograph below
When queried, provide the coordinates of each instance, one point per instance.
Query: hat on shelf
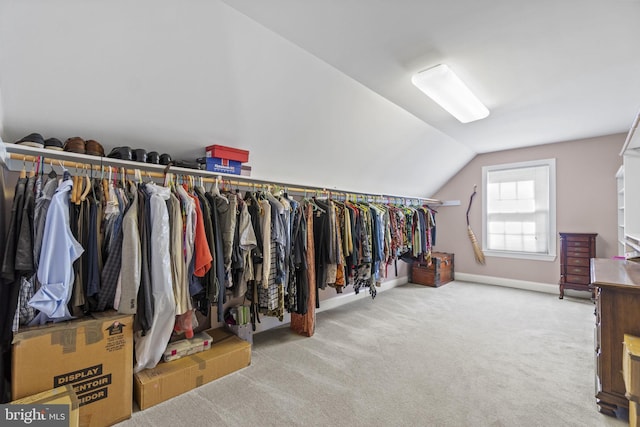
(94, 148)
(53, 144)
(122, 153)
(32, 140)
(165, 159)
(139, 155)
(75, 144)
(153, 157)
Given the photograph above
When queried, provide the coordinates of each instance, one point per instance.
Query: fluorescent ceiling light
(445, 87)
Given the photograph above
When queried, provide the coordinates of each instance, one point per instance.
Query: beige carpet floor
(463, 354)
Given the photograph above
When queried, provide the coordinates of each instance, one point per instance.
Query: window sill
(520, 255)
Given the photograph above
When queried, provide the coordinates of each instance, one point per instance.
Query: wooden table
(617, 289)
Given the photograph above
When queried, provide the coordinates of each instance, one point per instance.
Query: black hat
(139, 155)
(53, 144)
(32, 140)
(165, 159)
(153, 157)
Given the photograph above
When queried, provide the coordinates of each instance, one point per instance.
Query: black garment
(423, 228)
(237, 260)
(92, 280)
(144, 313)
(218, 256)
(10, 287)
(299, 261)
(203, 302)
(24, 245)
(9, 260)
(254, 211)
(321, 236)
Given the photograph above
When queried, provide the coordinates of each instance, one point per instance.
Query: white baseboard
(509, 283)
(267, 323)
(343, 299)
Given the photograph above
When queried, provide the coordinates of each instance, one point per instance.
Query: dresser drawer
(582, 271)
(580, 262)
(582, 280)
(578, 240)
(572, 253)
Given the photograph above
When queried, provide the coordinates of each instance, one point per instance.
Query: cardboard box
(215, 164)
(56, 396)
(227, 354)
(631, 366)
(94, 355)
(244, 332)
(228, 153)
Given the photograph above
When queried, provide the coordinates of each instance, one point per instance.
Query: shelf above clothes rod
(19, 155)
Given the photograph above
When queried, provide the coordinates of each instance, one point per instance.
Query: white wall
(177, 76)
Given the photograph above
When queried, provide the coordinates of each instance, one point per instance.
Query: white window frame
(551, 253)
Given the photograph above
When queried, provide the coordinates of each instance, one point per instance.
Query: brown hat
(94, 148)
(75, 145)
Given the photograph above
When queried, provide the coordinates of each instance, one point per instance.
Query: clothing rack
(18, 156)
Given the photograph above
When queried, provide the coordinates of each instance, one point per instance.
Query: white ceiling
(548, 70)
(319, 91)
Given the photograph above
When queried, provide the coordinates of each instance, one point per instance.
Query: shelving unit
(628, 187)
(620, 190)
(17, 157)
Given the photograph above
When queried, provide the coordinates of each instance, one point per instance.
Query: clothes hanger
(74, 190)
(88, 186)
(23, 172)
(216, 191)
(32, 172)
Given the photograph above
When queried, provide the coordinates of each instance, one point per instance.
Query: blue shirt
(55, 269)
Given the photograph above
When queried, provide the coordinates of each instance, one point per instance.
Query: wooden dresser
(617, 288)
(576, 251)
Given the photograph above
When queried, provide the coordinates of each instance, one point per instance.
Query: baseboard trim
(343, 299)
(331, 303)
(509, 283)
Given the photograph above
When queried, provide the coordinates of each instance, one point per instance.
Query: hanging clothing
(176, 250)
(59, 250)
(145, 312)
(131, 269)
(149, 347)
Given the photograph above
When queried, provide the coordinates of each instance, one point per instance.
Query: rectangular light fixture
(442, 85)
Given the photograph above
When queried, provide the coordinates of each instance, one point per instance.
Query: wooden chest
(576, 251)
(440, 271)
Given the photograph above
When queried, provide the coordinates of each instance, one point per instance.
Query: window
(519, 215)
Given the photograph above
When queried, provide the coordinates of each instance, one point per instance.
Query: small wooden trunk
(440, 271)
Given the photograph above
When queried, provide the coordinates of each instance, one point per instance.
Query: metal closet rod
(100, 163)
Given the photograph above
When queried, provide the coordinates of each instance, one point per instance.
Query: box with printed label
(93, 355)
(56, 396)
(214, 164)
(229, 153)
(227, 354)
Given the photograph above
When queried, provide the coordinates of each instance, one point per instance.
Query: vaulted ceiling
(319, 91)
(548, 70)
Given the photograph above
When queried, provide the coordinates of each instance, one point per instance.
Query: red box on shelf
(229, 153)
